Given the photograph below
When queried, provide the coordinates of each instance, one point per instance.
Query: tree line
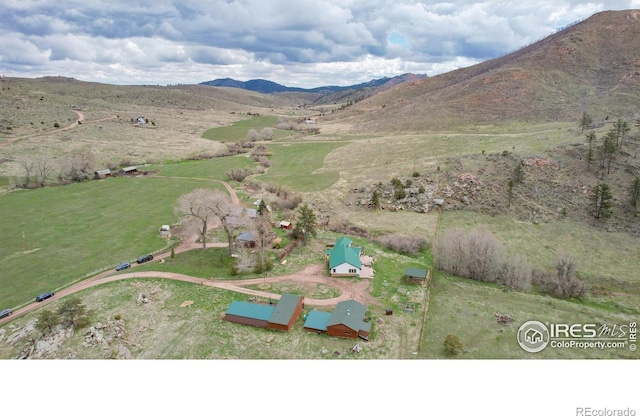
(602, 153)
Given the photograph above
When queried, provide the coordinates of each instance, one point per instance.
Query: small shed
(129, 169)
(246, 239)
(102, 173)
(165, 231)
(416, 276)
(286, 225)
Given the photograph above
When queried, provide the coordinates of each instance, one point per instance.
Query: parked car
(144, 259)
(5, 312)
(123, 266)
(43, 296)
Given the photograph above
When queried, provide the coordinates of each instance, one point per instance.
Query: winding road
(311, 275)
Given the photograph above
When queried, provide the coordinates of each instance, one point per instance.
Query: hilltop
(592, 66)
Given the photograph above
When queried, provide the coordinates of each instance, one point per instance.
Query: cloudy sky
(301, 43)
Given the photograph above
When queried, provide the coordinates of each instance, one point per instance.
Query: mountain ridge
(269, 87)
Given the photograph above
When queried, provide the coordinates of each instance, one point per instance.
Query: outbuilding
(287, 310)
(416, 276)
(102, 173)
(286, 225)
(347, 321)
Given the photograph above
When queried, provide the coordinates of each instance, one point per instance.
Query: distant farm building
(417, 276)
(102, 173)
(346, 321)
(281, 317)
(286, 225)
(129, 170)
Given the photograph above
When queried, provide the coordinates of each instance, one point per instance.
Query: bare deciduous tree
(197, 205)
(44, 168)
(231, 218)
(79, 166)
(262, 228)
(516, 273)
(266, 133)
(252, 135)
(485, 254)
(29, 165)
(245, 260)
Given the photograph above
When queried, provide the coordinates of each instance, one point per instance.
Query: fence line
(427, 297)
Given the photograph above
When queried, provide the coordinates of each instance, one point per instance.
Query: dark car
(144, 259)
(123, 266)
(43, 296)
(5, 312)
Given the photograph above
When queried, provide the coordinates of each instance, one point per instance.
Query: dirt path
(79, 120)
(310, 276)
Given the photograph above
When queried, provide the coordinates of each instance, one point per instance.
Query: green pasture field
(71, 231)
(295, 165)
(466, 308)
(214, 168)
(238, 130)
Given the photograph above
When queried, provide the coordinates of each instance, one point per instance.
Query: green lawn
(215, 168)
(73, 230)
(238, 131)
(466, 308)
(295, 165)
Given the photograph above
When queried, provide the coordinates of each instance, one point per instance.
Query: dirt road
(79, 120)
(310, 277)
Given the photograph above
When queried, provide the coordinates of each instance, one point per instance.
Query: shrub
(56, 124)
(404, 244)
(477, 255)
(344, 227)
(565, 284)
(238, 174)
(452, 344)
(400, 194)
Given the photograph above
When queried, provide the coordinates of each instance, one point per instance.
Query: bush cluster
(404, 244)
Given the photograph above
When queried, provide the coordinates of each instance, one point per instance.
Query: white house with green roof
(344, 260)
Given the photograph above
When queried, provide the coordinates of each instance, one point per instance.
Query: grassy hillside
(590, 66)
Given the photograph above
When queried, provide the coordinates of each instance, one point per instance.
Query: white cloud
(304, 43)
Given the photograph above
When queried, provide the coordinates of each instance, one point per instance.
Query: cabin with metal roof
(417, 276)
(287, 310)
(348, 321)
(247, 313)
(282, 316)
(344, 260)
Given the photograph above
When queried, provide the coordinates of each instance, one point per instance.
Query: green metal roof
(284, 309)
(250, 310)
(317, 320)
(343, 241)
(344, 254)
(418, 273)
(351, 314)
